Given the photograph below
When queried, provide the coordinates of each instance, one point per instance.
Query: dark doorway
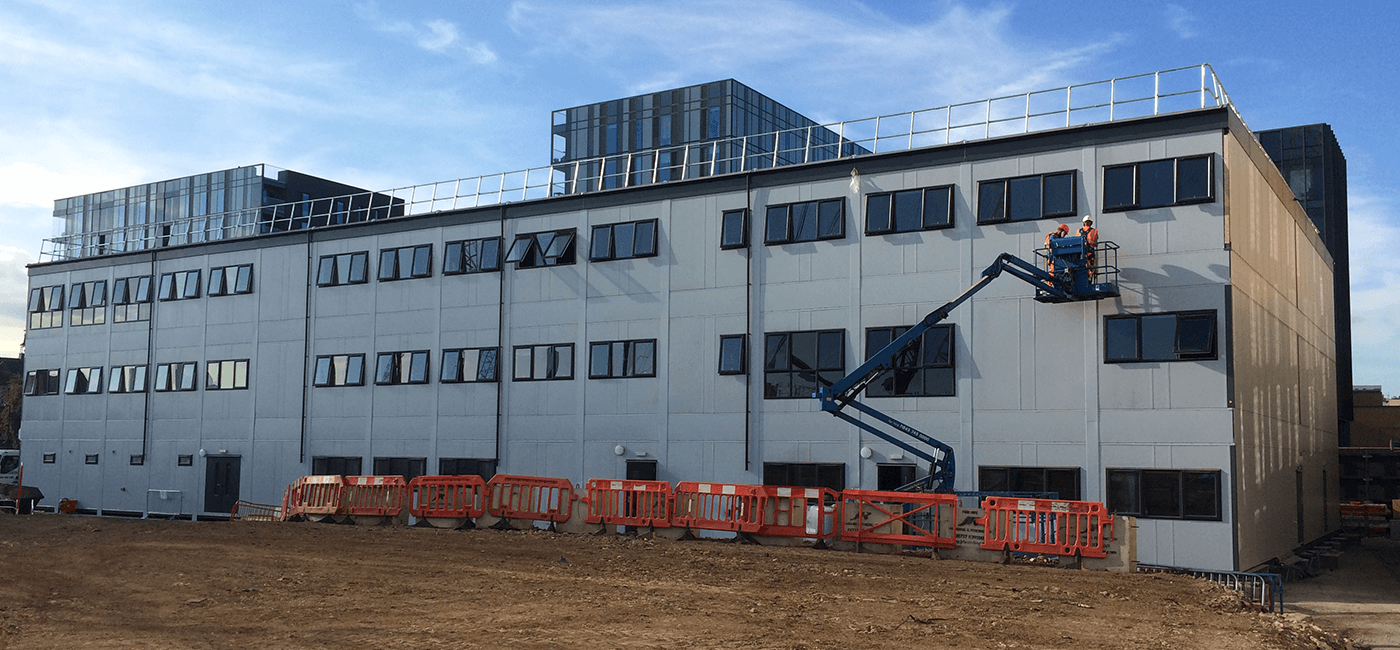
(220, 483)
(641, 470)
(889, 478)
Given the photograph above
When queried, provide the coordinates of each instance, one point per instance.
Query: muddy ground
(85, 582)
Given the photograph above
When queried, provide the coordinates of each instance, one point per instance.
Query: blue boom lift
(1069, 275)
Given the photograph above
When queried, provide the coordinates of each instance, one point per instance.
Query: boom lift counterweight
(1073, 280)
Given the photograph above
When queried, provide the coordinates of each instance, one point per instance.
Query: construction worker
(1091, 241)
(1061, 231)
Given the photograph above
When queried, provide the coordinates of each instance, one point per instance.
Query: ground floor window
(1165, 493)
(336, 465)
(827, 475)
(483, 467)
(891, 477)
(1063, 481)
(408, 468)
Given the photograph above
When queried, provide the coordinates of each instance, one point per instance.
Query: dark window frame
(91, 459)
(468, 256)
(170, 376)
(213, 379)
(1005, 206)
(44, 381)
(630, 355)
(891, 200)
(1115, 322)
(1014, 477)
(80, 381)
(828, 475)
(642, 247)
(742, 366)
(894, 375)
(458, 371)
(483, 467)
(742, 216)
(45, 309)
(1132, 498)
(184, 460)
(420, 263)
(542, 249)
(179, 285)
(811, 212)
(1135, 178)
(327, 379)
(551, 364)
(219, 284)
(50, 458)
(127, 379)
(325, 465)
(398, 375)
(330, 265)
(775, 368)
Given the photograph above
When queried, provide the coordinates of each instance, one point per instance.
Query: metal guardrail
(1154, 93)
(1266, 589)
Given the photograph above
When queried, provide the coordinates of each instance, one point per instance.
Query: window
(483, 467)
(889, 477)
(138, 459)
(87, 303)
(229, 280)
(924, 368)
(340, 370)
(734, 354)
(175, 377)
(620, 241)
(1159, 183)
(1063, 481)
(1180, 336)
(542, 362)
(827, 475)
(41, 382)
(83, 381)
(734, 229)
(1165, 493)
(182, 285)
(469, 365)
(810, 221)
(1026, 198)
(345, 268)
(50, 459)
(552, 248)
(404, 263)
(90, 459)
(226, 375)
(131, 299)
(46, 307)
(336, 465)
(127, 379)
(408, 468)
(616, 359)
(472, 256)
(185, 460)
(795, 363)
(401, 368)
(909, 211)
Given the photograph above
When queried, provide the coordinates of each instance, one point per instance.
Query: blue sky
(380, 95)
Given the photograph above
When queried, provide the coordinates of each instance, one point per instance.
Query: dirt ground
(85, 582)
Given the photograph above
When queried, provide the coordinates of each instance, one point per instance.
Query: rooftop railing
(1155, 93)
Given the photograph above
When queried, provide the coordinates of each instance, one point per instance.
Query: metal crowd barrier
(1265, 589)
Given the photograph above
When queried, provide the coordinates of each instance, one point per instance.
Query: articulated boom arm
(843, 393)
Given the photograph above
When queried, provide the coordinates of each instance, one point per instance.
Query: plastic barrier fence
(799, 512)
(452, 497)
(912, 518)
(629, 503)
(1046, 526)
(316, 495)
(374, 496)
(530, 497)
(719, 506)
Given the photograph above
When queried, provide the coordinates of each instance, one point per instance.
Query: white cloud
(438, 35)
(14, 287)
(1180, 20)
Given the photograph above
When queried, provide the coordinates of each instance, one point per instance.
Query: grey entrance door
(220, 483)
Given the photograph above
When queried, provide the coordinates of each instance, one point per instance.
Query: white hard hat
(1087, 219)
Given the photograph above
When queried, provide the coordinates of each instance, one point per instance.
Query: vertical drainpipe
(748, 316)
(150, 356)
(500, 335)
(306, 345)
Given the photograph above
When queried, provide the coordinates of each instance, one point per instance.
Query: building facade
(676, 330)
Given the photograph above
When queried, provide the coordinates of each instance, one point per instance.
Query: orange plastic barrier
(719, 506)
(913, 518)
(530, 497)
(374, 496)
(1045, 526)
(316, 495)
(629, 503)
(447, 496)
(799, 512)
